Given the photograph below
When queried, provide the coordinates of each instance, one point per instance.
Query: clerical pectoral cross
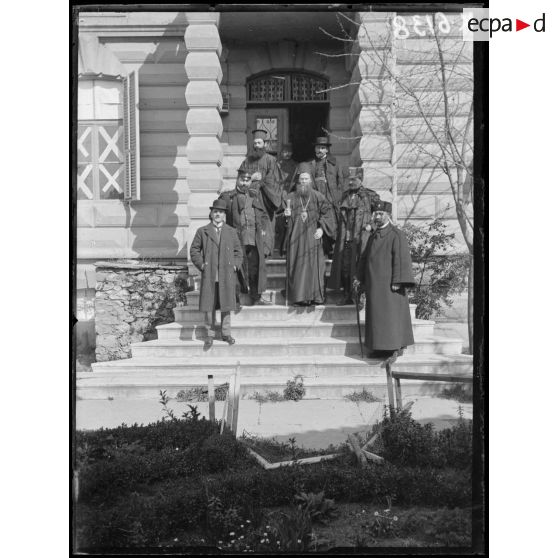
(304, 214)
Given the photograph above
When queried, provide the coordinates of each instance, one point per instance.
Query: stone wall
(131, 299)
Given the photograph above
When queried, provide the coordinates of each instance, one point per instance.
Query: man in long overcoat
(355, 224)
(328, 178)
(266, 177)
(216, 251)
(309, 219)
(247, 214)
(385, 269)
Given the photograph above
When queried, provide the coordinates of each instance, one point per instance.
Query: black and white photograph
(279, 282)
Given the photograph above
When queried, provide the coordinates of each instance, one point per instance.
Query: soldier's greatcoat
(363, 217)
(235, 205)
(387, 261)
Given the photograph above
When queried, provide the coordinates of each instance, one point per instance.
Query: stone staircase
(273, 344)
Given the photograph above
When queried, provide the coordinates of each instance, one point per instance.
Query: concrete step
(279, 313)
(279, 347)
(294, 331)
(278, 299)
(328, 376)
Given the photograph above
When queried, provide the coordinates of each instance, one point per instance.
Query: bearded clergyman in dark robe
(266, 177)
(354, 227)
(385, 270)
(310, 218)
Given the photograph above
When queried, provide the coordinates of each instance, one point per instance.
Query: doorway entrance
(292, 106)
(297, 123)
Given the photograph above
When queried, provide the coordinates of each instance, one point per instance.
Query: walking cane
(357, 301)
(287, 259)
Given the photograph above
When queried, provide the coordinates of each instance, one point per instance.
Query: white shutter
(131, 137)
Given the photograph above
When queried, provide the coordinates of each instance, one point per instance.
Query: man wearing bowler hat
(355, 225)
(385, 270)
(328, 178)
(216, 251)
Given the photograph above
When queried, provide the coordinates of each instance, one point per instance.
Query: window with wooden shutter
(100, 145)
(131, 138)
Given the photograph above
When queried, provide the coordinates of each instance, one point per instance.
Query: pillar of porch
(373, 105)
(203, 121)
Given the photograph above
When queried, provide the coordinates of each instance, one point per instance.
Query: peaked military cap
(380, 205)
(243, 171)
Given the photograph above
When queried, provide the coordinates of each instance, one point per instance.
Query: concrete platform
(314, 423)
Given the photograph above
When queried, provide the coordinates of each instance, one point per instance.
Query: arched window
(287, 87)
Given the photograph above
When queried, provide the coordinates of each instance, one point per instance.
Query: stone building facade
(167, 101)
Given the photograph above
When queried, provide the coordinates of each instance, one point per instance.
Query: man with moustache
(354, 226)
(385, 271)
(247, 214)
(266, 178)
(216, 251)
(309, 218)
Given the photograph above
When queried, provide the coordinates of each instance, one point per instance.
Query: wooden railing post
(211, 397)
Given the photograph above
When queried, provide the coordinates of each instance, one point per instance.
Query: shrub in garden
(406, 442)
(439, 275)
(458, 392)
(318, 506)
(200, 394)
(448, 527)
(295, 389)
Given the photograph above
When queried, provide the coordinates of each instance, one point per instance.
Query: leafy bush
(458, 392)
(439, 275)
(295, 389)
(448, 527)
(408, 443)
(273, 396)
(363, 395)
(110, 466)
(200, 394)
(318, 506)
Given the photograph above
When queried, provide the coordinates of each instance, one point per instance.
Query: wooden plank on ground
(358, 452)
(403, 375)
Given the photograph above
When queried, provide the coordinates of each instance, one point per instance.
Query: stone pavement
(315, 423)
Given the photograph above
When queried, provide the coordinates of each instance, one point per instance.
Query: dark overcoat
(363, 217)
(210, 255)
(305, 257)
(235, 205)
(386, 261)
(333, 189)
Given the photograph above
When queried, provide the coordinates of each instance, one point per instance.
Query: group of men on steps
(304, 211)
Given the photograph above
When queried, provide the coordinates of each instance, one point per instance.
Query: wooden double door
(295, 123)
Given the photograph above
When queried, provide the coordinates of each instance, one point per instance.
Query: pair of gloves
(358, 287)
